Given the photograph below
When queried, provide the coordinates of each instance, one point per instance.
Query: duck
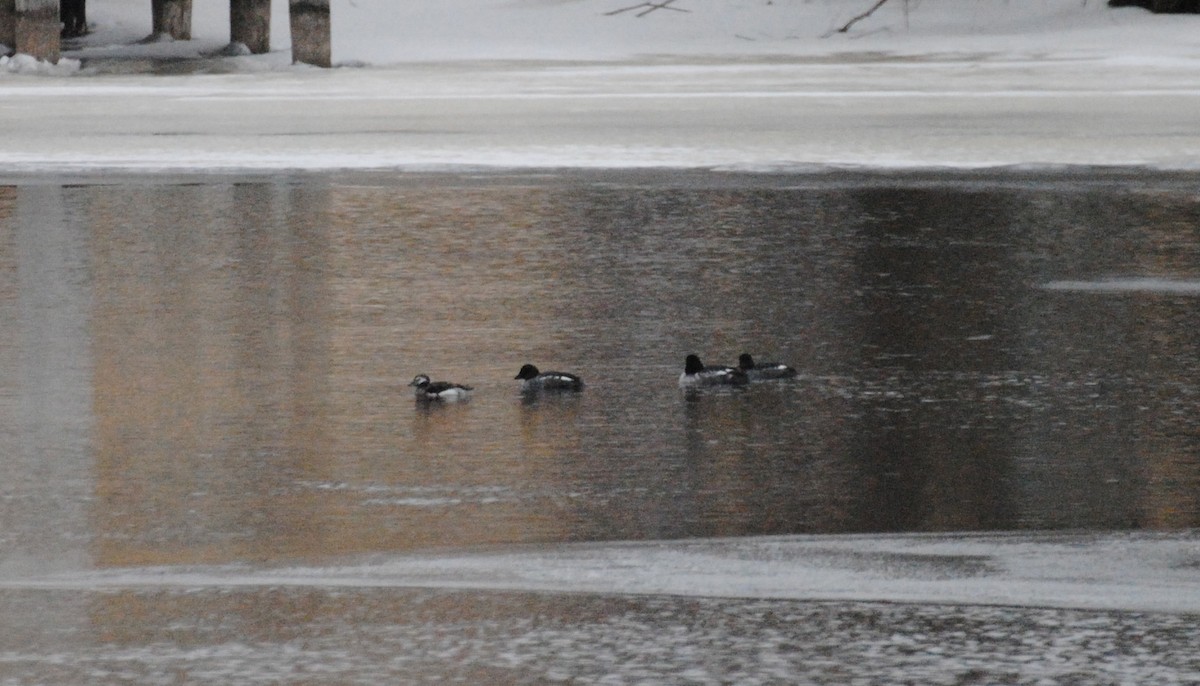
(426, 389)
(696, 374)
(532, 380)
(764, 370)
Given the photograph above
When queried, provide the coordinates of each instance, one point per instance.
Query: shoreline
(753, 116)
(817, 176)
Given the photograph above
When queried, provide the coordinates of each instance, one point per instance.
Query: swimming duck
(764, 370)
(438, 390)
(533, 380)
(696, 374)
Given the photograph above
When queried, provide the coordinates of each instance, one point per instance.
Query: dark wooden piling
(250, 24)
(1161, 6)
(73, 15)
(8, 24)
(36, 30)
(310, 32)
(35, 27)
(172, 17)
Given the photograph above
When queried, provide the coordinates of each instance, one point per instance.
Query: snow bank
(26, 64)
(387, 32)
(599, 29)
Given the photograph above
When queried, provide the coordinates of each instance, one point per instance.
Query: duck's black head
(527, 372)
(692, 365)
(745, 361)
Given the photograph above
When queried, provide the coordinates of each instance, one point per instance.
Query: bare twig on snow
(860, 17)
(650, 7)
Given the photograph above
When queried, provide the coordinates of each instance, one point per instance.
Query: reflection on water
(216, 371)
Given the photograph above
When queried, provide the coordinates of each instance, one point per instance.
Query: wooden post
(8, 24)
(73, 15)
(310, 32)
(172, 17)
(37, 29)
(250, 24)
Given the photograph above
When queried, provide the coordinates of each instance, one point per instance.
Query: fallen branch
(860, 17)
(650, 7)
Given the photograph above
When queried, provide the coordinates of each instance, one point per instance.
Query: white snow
(743, 84)
(25, 64)
(387, 32)
(1097, 571)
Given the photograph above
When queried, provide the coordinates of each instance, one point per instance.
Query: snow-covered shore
(747, 84)
(382, 32)
(754, 115)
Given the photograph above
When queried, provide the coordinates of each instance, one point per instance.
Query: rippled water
(214, 369)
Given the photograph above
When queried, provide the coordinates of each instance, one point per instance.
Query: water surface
(216, 370)
(212, 369)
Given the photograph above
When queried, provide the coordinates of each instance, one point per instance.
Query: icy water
(212, 371)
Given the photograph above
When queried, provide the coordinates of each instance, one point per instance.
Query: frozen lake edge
(1139, 572)
(759, 114)
(801, 176)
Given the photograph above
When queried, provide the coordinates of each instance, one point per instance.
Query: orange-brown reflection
(1168, 443)
(252, 344)
(251, 370)
(210, 383)
(733, 438)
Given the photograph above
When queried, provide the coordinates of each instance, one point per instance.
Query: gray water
(212, 370)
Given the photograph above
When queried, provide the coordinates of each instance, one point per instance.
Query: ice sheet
(758, 116)
(1118, 571)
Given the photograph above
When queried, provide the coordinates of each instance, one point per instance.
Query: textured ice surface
(1016, 609)
(1119, 571)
